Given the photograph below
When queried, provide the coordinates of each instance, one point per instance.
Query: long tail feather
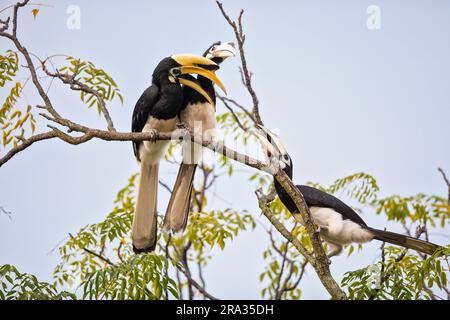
(178, 209)
(404, 241)
(144, 231)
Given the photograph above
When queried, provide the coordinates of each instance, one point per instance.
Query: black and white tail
(404, 241)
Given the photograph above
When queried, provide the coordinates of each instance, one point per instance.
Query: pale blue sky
(343, 98)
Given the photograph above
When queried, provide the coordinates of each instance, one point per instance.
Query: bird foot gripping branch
(154, 134)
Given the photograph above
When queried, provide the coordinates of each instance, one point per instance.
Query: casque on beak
(197, 65)
(268, 140)
(223, 50)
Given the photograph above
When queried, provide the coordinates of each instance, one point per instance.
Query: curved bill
(271, 143)
(205, 73)
(196, 87)
(193, 60)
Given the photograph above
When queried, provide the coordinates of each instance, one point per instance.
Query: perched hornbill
(157, 111)
(338, 223)
(198, 114)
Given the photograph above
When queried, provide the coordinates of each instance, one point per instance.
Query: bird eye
(213, 48)
(286, 157)
(176, 71)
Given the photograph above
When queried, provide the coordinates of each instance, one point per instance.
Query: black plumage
(190, 96)
(317, 198)
(162, 100)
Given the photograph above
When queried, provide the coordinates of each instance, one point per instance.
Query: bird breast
(153, 152)
(199, 117)
(335, 229)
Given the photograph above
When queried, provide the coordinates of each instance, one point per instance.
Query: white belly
(335, 229)
(200, 118)
(153, 152)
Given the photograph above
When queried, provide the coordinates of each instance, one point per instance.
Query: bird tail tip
(405, 241)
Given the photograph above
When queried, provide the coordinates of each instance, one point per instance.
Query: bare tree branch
(98, 255)
(227, 100)
(5, 24)
(199, 287)
(318, 260)
(235, 116)
(300, 277)
(25, 144)
(447, 182)
(188, 275)
(6, 212)
(240, 38)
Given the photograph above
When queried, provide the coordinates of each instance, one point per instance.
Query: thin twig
(5, 212)
(240, 38)
(98, 255)
(235, 116)
(165, 186)
(447, 182)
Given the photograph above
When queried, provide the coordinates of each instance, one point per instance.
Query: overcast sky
(344, 99)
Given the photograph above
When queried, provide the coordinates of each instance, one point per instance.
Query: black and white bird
(157, 111)
(198, 114)
(338, 223)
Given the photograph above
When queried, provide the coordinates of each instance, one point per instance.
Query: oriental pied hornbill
(157, 111)
(198, 114)
(338, 223)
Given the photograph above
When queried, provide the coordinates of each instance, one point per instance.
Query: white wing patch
(335, 230)
(338, 230)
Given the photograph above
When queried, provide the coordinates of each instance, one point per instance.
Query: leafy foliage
(284, 268)
(230, 128)
(420, 208)
(127, 276)
(401, 277)
(13, 129)
(9, 65)
(359, 186)
(76, 262)
(13, 120)
(96, 79)
(23, 286)
(131, 279)
(206, 230)
(402, 274)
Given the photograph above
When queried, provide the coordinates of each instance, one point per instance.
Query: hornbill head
(176, 69)
(274, 149)
(219, 51)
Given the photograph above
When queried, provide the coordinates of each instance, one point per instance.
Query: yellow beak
(193, 60)
(198, 65)
(206, 73)
(196, 87)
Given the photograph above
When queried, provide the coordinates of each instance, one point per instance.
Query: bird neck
(161, 80)
(192, 97)
(208, 86)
